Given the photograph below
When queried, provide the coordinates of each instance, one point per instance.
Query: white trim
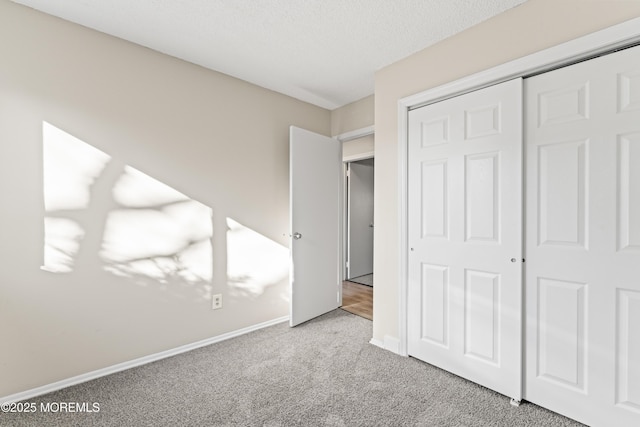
(355, 134)
(345, 209)
(38, 391)
(360, 156)
(377, 343)
(341, 234)
(344, 267)
(403, 117)
(588, 46)
(390, 344)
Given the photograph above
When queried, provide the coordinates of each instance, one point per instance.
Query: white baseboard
(38, 391)
(377, 343)
(390, 343)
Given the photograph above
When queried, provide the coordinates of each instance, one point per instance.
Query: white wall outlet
(216, 301)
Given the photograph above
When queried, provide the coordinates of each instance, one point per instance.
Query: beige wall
(218, 140)
(353, 116)
(533, 26)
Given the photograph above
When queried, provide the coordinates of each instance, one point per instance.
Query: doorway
(359, 230)
(357, 291)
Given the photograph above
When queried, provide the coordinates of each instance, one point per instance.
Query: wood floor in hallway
(357, 299)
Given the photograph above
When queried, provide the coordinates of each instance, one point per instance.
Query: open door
(315, 174)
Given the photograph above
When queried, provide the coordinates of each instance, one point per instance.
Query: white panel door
(315, 192)
(582, 132)
(465, 236)
(360, 218)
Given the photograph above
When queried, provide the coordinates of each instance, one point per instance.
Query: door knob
(297, 236)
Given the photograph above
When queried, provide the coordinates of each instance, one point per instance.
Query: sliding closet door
(465, 238)
(582, 127)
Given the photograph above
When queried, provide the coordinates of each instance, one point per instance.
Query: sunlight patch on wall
(61, 244)
(144, 228)
(159, 232)
(70, 168)
(254, 262)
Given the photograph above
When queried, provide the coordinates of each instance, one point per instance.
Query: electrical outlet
(216, 301)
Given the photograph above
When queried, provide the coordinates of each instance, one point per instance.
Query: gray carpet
(322, 373)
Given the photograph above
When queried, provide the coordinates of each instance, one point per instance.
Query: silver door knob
(297, 236)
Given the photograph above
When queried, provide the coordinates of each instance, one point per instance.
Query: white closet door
(465, 238)
(583, 240)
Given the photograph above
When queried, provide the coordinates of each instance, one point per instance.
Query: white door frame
(591, 45)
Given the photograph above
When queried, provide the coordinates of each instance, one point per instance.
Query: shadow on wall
(103, 215)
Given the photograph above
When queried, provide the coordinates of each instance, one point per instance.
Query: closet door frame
(604, 41)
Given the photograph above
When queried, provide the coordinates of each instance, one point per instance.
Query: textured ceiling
(321, 51)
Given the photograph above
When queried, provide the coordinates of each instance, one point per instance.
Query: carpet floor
(321, 373)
